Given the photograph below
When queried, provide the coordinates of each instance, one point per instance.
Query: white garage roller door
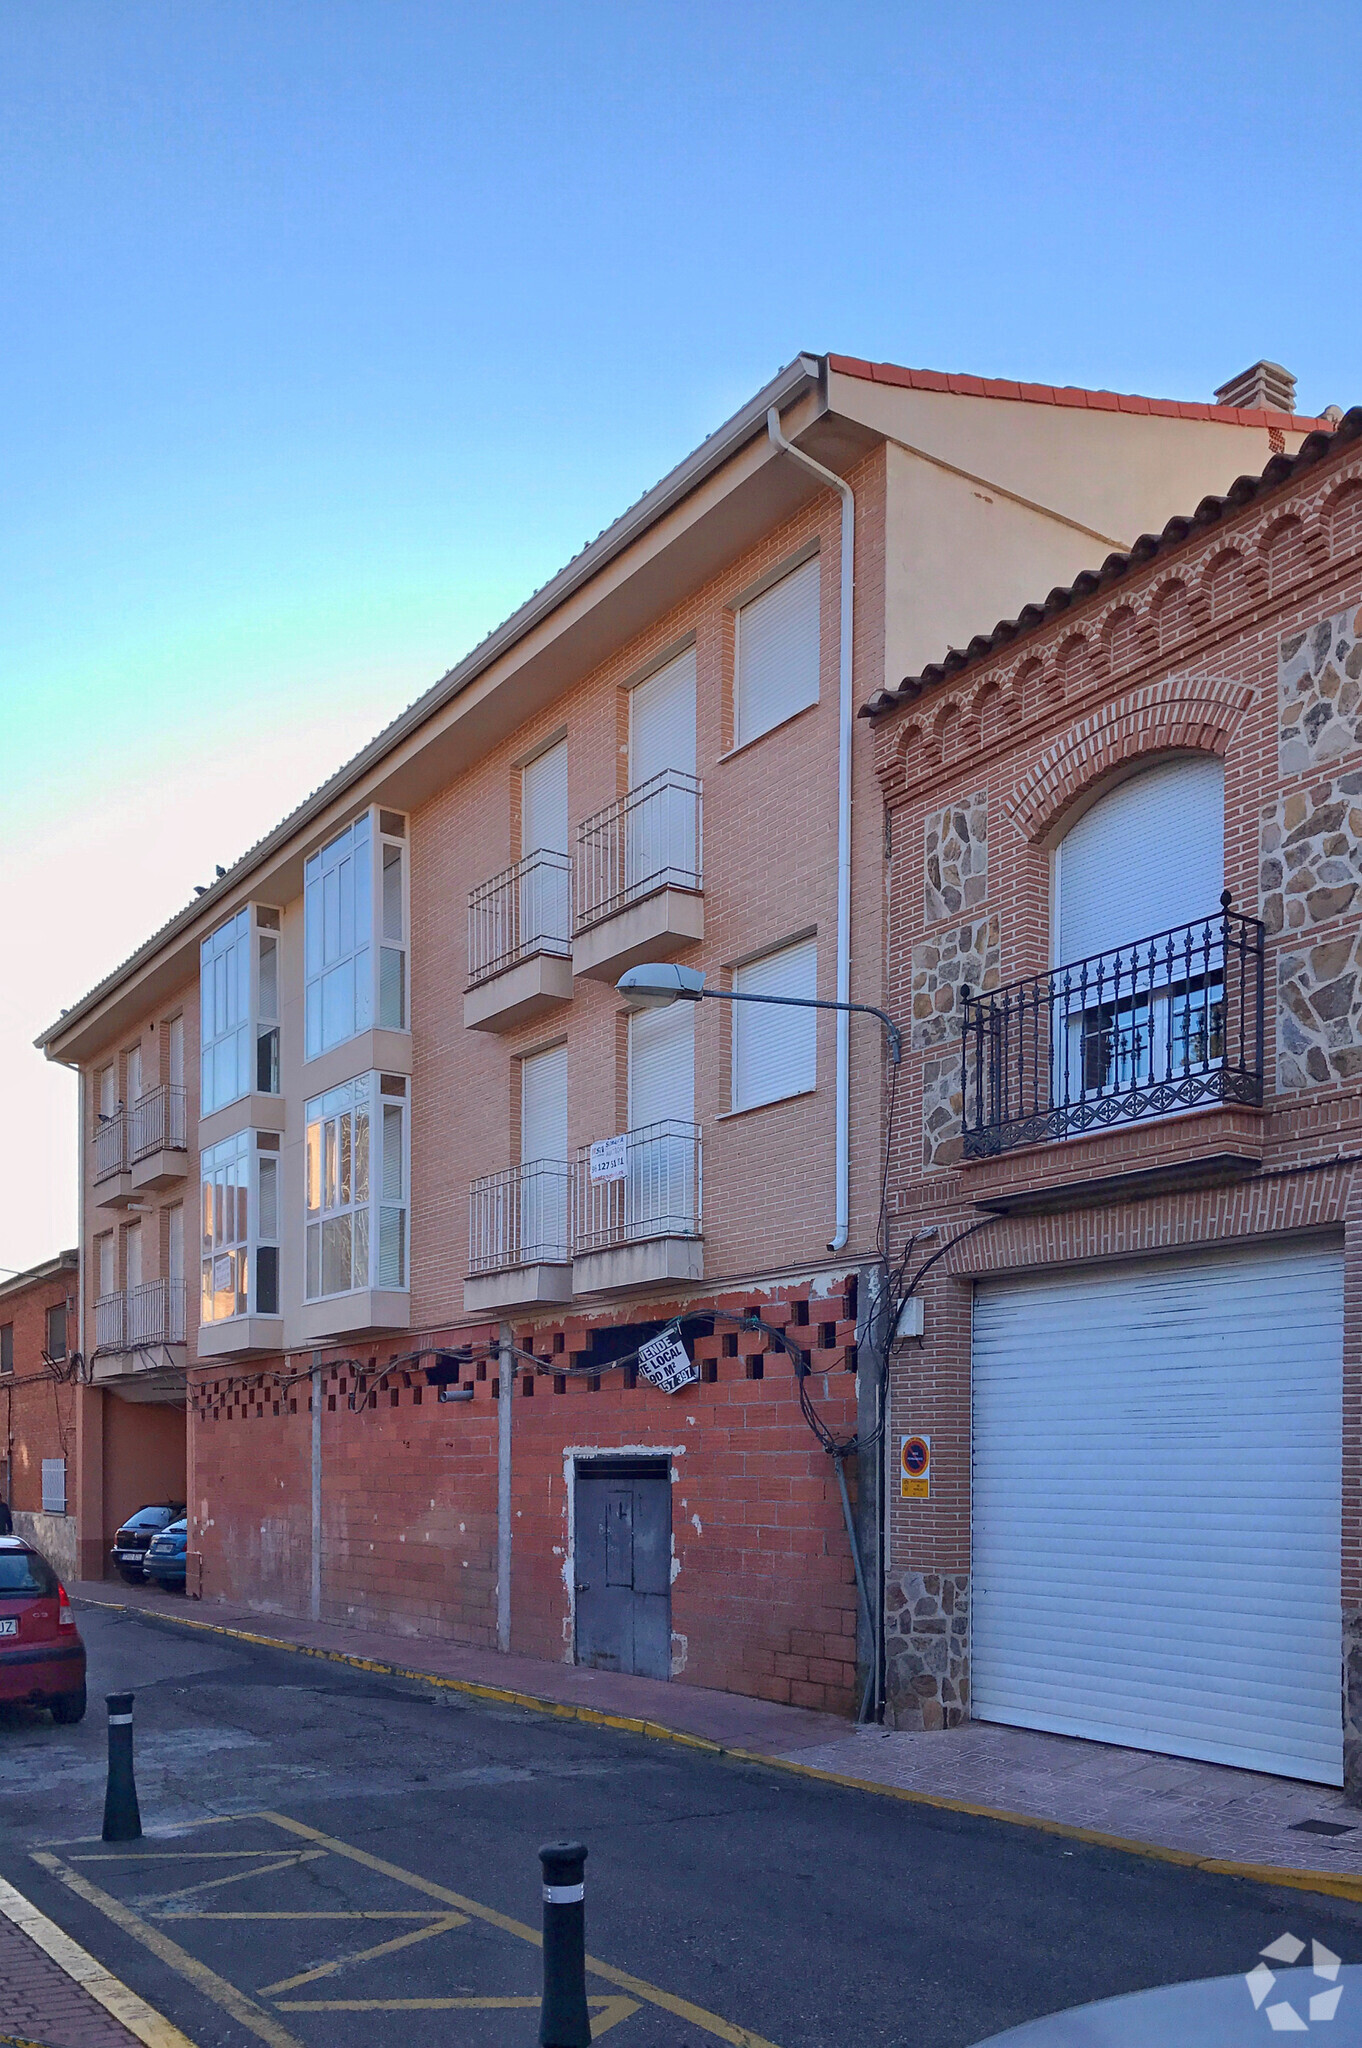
(1157, 1452)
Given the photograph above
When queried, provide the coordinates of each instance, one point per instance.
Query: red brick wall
(36, 1411)
(763, 1595)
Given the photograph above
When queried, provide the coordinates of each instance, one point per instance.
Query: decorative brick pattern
(1319, 693)
(927, 1649)
(1311, 864)
(955, 859)
(1319, 1014)
(943, 1106)
(967, 956)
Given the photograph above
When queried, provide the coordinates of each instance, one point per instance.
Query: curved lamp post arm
(657, 985)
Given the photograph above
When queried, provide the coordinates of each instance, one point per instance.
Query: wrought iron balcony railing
(153, 1313)
(111, 1147)
(643, 842)
(157, 1123)
(650, 1187)
(527, 909)
(1168, 1023)
(519, 1217)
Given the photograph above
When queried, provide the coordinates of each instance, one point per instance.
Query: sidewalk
(55, 1995)
(1189, 1811)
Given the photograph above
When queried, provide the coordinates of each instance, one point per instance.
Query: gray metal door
(623, 1566)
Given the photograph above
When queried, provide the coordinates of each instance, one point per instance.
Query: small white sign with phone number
(663, 1362)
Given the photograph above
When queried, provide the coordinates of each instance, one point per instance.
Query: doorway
(622, 1559)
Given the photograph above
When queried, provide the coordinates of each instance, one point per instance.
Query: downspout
(845, 726)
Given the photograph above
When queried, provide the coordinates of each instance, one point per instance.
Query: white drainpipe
(844, 733)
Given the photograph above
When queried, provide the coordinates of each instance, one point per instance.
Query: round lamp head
(655, 985)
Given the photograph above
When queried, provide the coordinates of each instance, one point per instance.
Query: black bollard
(564, 2021)
(122, 1821)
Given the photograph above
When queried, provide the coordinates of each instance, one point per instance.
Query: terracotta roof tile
(1075, 395)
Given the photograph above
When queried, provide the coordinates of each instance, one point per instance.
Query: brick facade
(38, 1399)
(1238, 639)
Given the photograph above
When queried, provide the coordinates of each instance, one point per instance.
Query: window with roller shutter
(775, 1049)
(776, 653)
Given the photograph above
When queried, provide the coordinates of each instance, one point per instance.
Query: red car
(42, 1658)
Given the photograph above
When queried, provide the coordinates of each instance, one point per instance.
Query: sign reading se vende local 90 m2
(663, 1362)
(610, 1158)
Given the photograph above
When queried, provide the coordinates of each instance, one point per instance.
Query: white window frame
(54, 1486)
(357, 1180)
(239, 1008)
(811, 568)
(238, 1221)
(794, 1030)
(356, 933)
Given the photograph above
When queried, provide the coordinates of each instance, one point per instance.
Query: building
(37, 1328)
(448, 1182)
(1124, 923)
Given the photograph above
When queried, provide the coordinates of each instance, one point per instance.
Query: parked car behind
(131, 1544)
(42, 1658)
(166, 1554)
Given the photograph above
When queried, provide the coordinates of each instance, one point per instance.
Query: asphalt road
(300, 1815)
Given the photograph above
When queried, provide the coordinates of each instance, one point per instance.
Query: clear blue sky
(329, 330)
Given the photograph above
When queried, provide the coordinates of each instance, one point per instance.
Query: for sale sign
(663, 1362)
(609, 1158)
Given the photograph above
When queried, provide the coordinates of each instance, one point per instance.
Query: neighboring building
(38, 1337)
(376, 1055)
(1140, 1373)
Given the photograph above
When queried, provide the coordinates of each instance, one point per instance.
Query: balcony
(141, 1318)
(1165, 1026)
(518, 1254)
(113, 1170)
(157, 1139)
(636, 1209)
(639, 878)
(519, 943)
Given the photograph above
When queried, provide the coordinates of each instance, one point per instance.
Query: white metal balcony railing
(527, 909)
(519, 1217)
(153, 1313)
(652, 1190)
(111, 1147)
(158, 1123)
(643, 842)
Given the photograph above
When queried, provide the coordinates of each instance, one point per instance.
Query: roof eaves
(1209, 512)
(1072, 395)
(788, 384)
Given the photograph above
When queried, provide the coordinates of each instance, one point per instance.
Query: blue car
(165, 1556)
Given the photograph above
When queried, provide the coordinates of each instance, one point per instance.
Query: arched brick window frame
(1182, 713)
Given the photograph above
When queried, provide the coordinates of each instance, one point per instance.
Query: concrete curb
(1329, 1883)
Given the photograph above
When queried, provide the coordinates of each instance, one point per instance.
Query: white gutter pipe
(845, 725)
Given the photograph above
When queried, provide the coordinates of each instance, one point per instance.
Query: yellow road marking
(170, 1855)
(651, 1994)
(606, 2012)
(250, 2015)
(211, 1884)
(148, 2026)
(189, 1913)
(443, 1925)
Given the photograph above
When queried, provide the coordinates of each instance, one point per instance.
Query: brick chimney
(1264, 386)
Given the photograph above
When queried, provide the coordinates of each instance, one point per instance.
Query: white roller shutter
(776, 652)
(544, 802)
(662, 1065)
(662, 721)
(774, 1049)
(1156, 1506)
(1149, 856)
(543, 1105)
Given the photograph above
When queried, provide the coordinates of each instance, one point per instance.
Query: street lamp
(658, 984)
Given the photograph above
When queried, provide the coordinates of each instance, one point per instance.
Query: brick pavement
(40, 2003)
